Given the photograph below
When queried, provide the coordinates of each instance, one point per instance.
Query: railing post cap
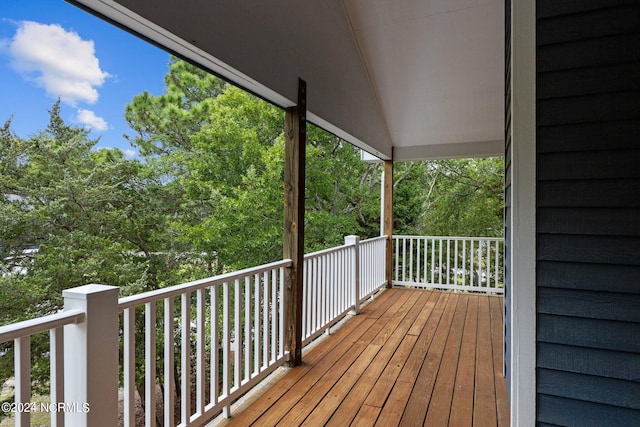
(83, 292)
(351, 239)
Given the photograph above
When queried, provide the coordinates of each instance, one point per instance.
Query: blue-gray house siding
(588, 212)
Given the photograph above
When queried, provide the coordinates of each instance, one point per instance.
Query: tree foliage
(464, 197)
(229, 163)
(74, 215)
(75, 205)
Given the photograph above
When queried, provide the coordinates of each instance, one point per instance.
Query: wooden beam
(388, 219)
(293, 247)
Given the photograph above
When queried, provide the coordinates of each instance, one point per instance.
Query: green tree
(164, 124)
(342, 192)
(74, 215)
(409, 196)
(228, 162)
(464, 197)
(234, 182)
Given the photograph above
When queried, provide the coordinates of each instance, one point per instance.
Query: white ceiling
(436, 68)
(416, 78)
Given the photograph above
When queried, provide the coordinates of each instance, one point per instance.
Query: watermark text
(21, 407)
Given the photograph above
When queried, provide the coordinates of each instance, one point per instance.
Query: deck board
(462, 401)
(346, 397)
(412, 357)
(425, 379)
(484, 408)
(440, 404)
(497, 340)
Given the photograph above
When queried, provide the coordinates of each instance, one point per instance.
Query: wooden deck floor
(410, 358)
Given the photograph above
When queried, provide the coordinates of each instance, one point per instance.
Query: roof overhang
(401, 79)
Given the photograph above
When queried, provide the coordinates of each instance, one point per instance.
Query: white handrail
(404, 236)
(174, 291)
(41, 324)
(326, 291)
(325, 252)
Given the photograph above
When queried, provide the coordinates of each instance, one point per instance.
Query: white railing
(227, 333)
(458, 263)
(20, 333)
(326, 291)
(190, 349)
(198, 346)
(331, 287)
(80, 370)
(372, 266)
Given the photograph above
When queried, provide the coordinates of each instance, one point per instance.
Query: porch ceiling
(419, 78)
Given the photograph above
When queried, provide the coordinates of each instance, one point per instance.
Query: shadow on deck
(411, 357)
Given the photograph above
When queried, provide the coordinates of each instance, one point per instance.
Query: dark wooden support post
(294, 176)
(388, 219)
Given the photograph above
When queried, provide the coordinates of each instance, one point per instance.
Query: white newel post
(91, 357)
(355, 274)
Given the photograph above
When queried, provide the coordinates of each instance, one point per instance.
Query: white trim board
(523, 215)
(450, 151)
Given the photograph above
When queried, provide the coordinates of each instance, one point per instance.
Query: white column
(355, 263)
(91, 357)
(523, 208)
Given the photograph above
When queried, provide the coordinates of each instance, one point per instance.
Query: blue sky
(50, 49)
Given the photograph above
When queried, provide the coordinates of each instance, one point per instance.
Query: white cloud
(89, 119)
(130, 153)
(57, 60)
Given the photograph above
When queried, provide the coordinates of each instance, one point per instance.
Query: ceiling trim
(448, 151)
(320, 122)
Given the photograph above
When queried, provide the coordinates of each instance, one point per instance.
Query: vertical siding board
(588, 200)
